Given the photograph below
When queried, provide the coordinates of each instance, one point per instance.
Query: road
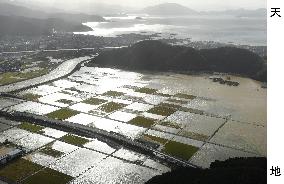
(62, 70)
(95, 133)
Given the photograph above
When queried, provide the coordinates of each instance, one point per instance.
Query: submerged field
(187, 117)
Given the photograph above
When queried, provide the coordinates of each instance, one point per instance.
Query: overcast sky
(194, 4)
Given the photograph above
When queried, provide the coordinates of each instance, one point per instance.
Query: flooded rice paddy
(188, 117)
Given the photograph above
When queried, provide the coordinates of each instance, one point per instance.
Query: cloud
(195, 4)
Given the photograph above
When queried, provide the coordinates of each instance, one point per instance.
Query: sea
(223, 29)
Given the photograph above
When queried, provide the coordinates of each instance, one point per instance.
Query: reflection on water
(250, 31)
(76, 163)
(113, 170)
(112, 99)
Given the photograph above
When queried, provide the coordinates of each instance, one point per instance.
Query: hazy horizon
(139, 4)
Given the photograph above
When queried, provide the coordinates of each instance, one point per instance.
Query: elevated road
(90, 132)
(62, 70)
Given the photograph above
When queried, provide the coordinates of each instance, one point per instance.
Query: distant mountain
(15, 10)
(77, 17)
(86, 6)
(157, 56)
(168, 9)
(12, 25)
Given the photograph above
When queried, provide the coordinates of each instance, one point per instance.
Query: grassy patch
(31, 97)
(180, 150)
(33, 74)
(164, 95)
(65, 101)
(155, 139)
(12, 77)
(8, 78)
(48, 176)
(19, 169)
(113, 93)
(185, 96)
(162, 110)
(111, 106)
(142, 122)
(51, 152)
(32, 128)
(170, 124)
(194, 111)
(195, 136)
(62, 114)
(170, 105)
(94, 101)
(146, 90)
(75, 140)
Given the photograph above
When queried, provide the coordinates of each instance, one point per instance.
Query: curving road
(63, 69)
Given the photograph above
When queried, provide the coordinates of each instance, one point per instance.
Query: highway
(62, 70)
(91, 132)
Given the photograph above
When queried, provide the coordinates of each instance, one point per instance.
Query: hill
(168, 9)
(157, 56)
(11, 25)
(15, 10)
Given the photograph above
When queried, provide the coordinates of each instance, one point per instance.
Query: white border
(275, 123)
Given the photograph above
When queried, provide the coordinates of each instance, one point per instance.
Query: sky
(198, 5)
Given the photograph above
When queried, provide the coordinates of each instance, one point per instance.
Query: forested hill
(11, 25)
(157, 56)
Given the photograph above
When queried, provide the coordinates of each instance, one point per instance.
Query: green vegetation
(113, 93)
(94, 101)
(31, 128)
(154, 55)
(185, 96)
(146, 90)
(111, 106)
(162, 94)
(8, 78)
(142, 122)
(48, 176)
(75, 140)
(19, 169)
(180, 150)
(51, 152)
(194, 111)
(12, 77)
(31, 97)
(155, 139)
(170, 124)
(62, 114)
(162, 110)
(65, 101)
(170, 105)
(193, 135)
